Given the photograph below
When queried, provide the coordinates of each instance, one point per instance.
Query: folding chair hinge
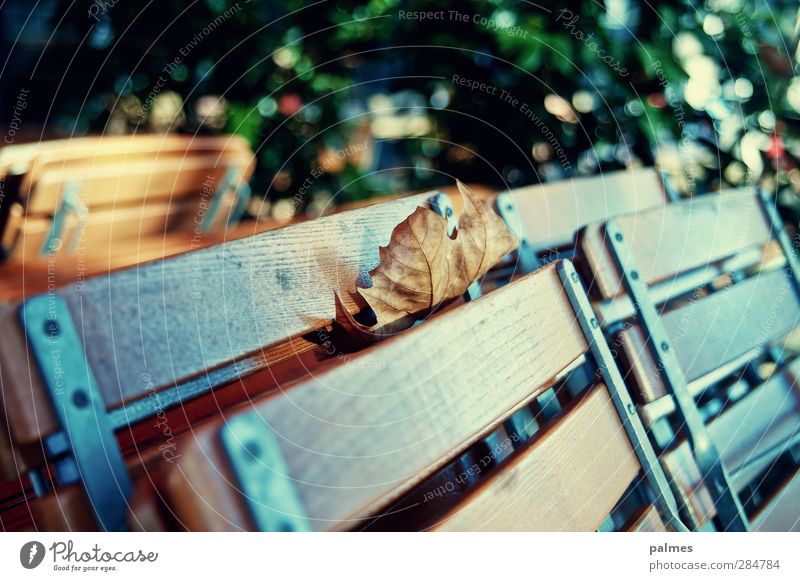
(257, 462)
(729, 507)
(71, 204)
(527, 258)
(626, 409)
(87, 446)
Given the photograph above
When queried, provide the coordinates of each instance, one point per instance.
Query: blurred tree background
(348, 99)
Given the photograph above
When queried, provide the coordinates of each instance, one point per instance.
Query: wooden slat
(782, 513)
(678, 237)
(646, 520)
(357, 437)
(21, 159)
(552, 213)
(568, 479)
(176, 318)
(130, 181)
(715, 330)
(765, 418)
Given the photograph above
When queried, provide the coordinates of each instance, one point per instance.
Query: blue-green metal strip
(256, 460)
(729, 508)
(626, 409)
(68, 378)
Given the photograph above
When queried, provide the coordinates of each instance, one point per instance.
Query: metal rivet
(509, 207)
(594, 323)
(631, 409)
(618, 237)
(52, 328)
(635, 275)
(574, 277)
(80, 398)
(664, 346)
(253, 449)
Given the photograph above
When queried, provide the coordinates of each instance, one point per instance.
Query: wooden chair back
(134, 187)
(717, 295)
(355, 445)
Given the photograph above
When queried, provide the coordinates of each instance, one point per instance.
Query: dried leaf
(422, 267)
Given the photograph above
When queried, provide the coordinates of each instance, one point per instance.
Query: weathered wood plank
(22, 159)
(143, 178)
(678, 237)
(710, 332)
(357, 437)
(568, 479)
(553, 212)
(174, 319)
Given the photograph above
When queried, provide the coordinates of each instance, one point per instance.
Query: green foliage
(690, 85)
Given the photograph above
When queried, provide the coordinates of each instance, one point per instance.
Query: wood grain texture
(782, 512)
(25, 278)
(176, 318)
(707, 333)
(358, 437)
(568, 479)
(22, 159)
(552, 213)
(677, 238)
(645, 520)
(765, 418)
(140, 178)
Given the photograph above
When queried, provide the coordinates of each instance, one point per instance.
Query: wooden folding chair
(693, 297)
(354, 446)
(113, 188)
(547, 217)
(184, 333)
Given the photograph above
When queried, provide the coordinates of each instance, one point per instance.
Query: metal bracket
(257, 462)
(243, 195)
(87, 432)
(619, 394)
(440, 204)
(672, 194)
(207, 222)
(778, 231)
(729, 507)
(527, 259)
(70, 204)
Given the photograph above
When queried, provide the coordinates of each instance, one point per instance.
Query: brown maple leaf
(422, 268)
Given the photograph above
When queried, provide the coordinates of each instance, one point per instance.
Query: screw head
(52, 328)
(253, 449)
(80, 398)
(635, 274)
(664, 346)
(618, 237)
